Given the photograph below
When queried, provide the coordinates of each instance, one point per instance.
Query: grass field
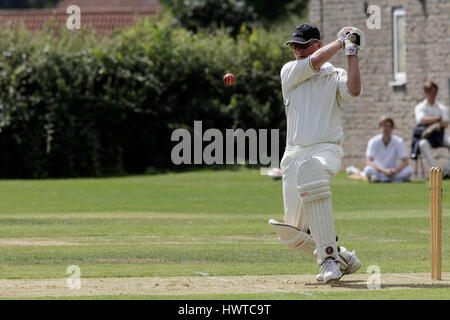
(204, 235)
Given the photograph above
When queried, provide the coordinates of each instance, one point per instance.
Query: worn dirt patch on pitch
(35, 243)
(205, 284)
(127, 260)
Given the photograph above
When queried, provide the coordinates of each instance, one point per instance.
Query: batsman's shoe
(331, 270)
(349, 263)
(319, 277)
(352, 260)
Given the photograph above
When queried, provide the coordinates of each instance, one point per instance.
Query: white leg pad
(314, 190)
(294, 238)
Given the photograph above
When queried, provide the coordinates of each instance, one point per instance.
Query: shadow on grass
(199, 168)
(359, 285)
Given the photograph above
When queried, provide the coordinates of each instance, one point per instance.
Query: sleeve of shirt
(295, 72)
(343, 91)
(419, 113)
(444, 112)
(402, 150)
(370, 150)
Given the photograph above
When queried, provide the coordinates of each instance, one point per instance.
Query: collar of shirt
(384, 144)
(426, 104)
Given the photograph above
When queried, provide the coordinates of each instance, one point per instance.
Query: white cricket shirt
(386, 155)
(314, 102)
(424, 109)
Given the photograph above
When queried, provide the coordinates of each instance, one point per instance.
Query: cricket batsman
(314, 93)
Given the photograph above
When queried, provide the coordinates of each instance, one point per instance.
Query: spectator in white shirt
(433, 116)
(383, 152)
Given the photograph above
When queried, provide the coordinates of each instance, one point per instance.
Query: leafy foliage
(72, 104)
(197, 14)
(232, 14)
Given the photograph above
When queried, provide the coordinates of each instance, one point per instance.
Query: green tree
(232, 14)
(197, 14)
(268, 11)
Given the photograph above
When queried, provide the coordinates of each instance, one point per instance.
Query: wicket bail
(436, 221)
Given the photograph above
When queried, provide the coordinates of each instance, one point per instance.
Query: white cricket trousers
(425, 149)
(327, 153)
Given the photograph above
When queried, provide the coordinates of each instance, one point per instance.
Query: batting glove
(351, 49)
(352, 39)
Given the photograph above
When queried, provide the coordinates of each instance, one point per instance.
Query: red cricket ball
(228, 79)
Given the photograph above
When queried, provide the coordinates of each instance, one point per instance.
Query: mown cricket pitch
(294, 284)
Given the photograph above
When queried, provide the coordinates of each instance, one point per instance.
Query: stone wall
(427, 57)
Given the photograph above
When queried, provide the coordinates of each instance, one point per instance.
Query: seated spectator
(382, 154)
(432, 119)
